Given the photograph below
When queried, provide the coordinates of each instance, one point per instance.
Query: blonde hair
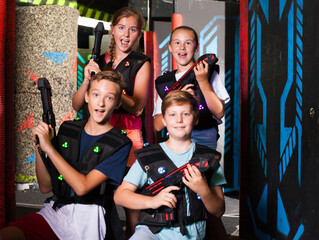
(178, 98)
(125, 13)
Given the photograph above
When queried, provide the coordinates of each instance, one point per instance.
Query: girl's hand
(201, 72)
(194, 179)
(165, 198)
(89, 68)
(189, 88)
(44, 132)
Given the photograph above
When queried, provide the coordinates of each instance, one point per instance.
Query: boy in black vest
(176, 212)
(86, 156)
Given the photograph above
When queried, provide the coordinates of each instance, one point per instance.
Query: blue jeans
(206, 137)
(143, 232)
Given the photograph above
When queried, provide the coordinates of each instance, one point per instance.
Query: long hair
(125, 13)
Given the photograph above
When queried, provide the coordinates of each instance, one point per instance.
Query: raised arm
(80, 183)
(136, 103)
(78, 97)
(215, 105)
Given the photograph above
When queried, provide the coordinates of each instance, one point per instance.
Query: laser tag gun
(163, 83)
(49, 118)
(99, 31)
(46, 94)
(175, 178)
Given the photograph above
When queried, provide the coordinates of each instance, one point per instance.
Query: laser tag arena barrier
(279, 188)
(46, 46)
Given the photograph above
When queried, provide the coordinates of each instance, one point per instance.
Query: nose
(179, 119)
(101, 102)
(182, 46)
(126, 31)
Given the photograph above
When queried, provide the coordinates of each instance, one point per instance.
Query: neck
(183, 68)
(119, 55)
(93, 128)
(178, 146)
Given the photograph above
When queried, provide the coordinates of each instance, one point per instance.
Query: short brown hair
(178, 98)
(110, 76)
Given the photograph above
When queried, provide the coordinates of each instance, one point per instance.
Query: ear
(170, 48)
(196, 121)
(119, 103)
(196, 50)
(163, 121)
(111, 29)
(86, 97)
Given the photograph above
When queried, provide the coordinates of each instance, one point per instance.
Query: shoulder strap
(114, 139)
(164, 82)
(154, 161)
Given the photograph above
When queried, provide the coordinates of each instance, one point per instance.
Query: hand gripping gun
(187, 78)
(175, 178)
(49, 118)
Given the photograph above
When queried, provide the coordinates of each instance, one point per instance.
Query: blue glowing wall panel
(282, 180)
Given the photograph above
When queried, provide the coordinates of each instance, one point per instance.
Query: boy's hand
(44, 132)
(195, 180)
(189, 88)
(165, 198)
(89, 68)
(201, 71)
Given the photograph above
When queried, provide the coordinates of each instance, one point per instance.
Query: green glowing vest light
(60, 177)
(97, 149)
(65, 144)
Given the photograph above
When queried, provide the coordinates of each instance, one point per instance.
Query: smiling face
(126, 33)
(179, 120)
(183, 46)
(102, 99)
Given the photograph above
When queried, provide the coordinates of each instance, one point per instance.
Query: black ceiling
(109, 6)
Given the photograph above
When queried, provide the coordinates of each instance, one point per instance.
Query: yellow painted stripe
(37, 2)
(81, 9)
(73, 5)
(106, 16)
(89, 12)
(61, 3)
(97, 15)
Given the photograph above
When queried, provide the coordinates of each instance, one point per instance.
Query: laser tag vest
(69, 147)
(128, 67)
(206, 119)
(152, 158)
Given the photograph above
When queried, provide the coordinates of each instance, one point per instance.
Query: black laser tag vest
(128, 67)
(206, 119)
(69, 147)
(153, 158)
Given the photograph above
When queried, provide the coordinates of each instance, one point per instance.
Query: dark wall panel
(282, 169)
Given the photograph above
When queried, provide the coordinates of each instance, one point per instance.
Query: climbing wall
(46, 46)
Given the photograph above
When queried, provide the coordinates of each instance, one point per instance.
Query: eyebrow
(122, 25)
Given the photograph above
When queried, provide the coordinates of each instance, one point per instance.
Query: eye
(186, 114)
(95, 94)
(121, 27)
(171, 115)
(110, 98)
(133, 30)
